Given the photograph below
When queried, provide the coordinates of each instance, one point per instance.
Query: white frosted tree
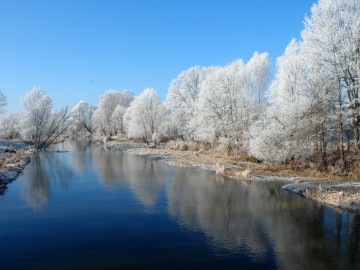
(257, 75)
(183, 95)
(333, 37)
(3, 102)
(272, 136)
(39, 124)
(230, 99)
(298, 120)
(145, 115)
(81, 117)
(218, 103)
(10, 126)
(102, 116)
(117, 119)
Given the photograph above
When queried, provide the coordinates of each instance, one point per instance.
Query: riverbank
(14, 156)
(326, 187)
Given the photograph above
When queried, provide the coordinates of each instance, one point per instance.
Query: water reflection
(220, 209)
(45, 170)
(109, 166)
(80, 154)
(262, 217)
(257, 219)
(146, 178)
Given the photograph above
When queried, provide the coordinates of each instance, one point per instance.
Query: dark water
(93, 208)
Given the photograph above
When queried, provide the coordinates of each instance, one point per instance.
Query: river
(88, 207)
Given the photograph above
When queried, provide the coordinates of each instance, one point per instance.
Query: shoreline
(333, 190)
(14, 156)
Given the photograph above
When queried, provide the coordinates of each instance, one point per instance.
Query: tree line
(310, 109)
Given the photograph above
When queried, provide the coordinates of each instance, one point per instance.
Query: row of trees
(203, 104)
(314, 100)
(311, 108)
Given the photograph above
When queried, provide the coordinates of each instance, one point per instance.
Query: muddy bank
(325, 188)
(14, 156)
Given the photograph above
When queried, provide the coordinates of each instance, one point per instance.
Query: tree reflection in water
(46, 169)
(258, 219)
(261, 217)
(146, 179)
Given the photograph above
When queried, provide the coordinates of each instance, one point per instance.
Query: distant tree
(10, 126)
(145, 115)
(230, 99)
(218, 103)
(102, 117)
(257, 75)
(3, 102)
(183, 95)
(81, 117)
(117, 119)
(40, 125)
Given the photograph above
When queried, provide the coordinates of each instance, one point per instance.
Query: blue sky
(77, 49)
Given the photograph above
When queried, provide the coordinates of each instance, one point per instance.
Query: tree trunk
(323, 147)
(340, 130)
(356, 135)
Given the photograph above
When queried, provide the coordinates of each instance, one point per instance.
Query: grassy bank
(331, 187)
(14, 156)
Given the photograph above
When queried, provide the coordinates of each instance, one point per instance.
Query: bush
(184, 147)
(194, 146)
(205, 146)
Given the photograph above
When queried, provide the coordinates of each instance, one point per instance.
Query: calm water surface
(93, 208)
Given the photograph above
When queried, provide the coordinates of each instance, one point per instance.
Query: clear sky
(77, 49)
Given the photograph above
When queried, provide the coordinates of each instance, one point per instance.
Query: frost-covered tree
(333, 37)
(3, 102)
(218, 103)
(275, 136)
(316, 87)
(39, 124)
(183, 95)
(257, 75)
(10, 126)
(145, 115)
(298, 122)
(103, 114)
(231, 99)
(81, 117)
(117, 119)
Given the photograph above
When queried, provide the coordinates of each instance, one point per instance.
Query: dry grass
(348, 200)
(15, 159)
(235, 165)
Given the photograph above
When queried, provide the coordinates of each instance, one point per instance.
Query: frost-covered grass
(14, 156)
(344, 195)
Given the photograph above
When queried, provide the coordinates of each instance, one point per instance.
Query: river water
(95, 208)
